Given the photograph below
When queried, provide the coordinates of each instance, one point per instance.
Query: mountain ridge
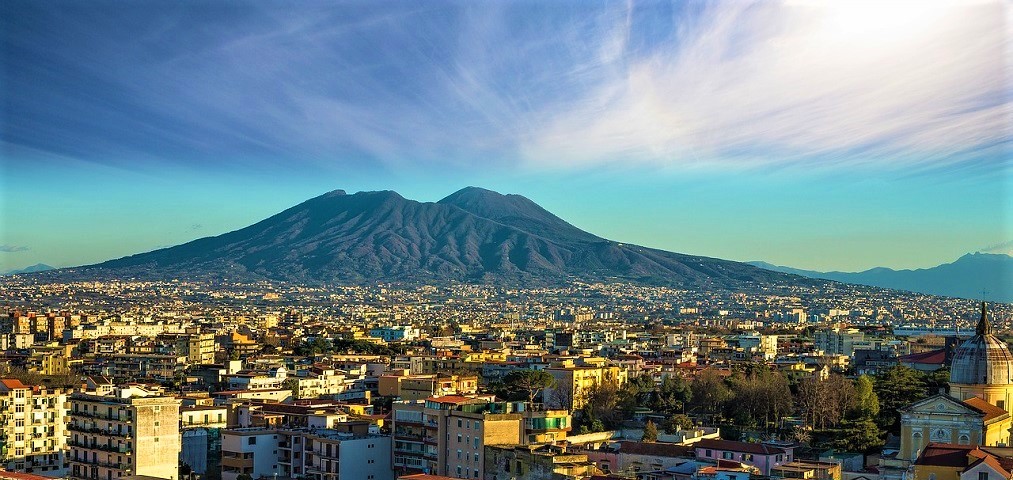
(473, 235)
(964, 277)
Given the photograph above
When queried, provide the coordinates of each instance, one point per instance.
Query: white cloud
(749, 84)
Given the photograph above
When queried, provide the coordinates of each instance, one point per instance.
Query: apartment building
(128, 432)
(32, 432)
(348, 452)
(200, 429)
(447, 435)
(420, 387)
(573, 382)
(198, 348)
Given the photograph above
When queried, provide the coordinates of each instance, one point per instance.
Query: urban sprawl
(185, 379)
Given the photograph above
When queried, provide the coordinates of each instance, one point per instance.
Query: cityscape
(631, 240)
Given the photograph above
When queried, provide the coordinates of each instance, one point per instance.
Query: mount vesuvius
(473, 235)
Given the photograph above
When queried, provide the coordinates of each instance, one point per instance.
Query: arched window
(964, 440)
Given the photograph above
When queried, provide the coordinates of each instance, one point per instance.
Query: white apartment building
(128, 432)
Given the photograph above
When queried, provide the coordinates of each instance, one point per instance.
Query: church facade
(976, 409)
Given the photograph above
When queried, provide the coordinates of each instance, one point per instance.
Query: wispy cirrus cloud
(546, 85)
(13, 248)
(840, 83)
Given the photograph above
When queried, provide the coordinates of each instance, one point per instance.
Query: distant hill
(38, 267)
(966, 277)
(473, 235)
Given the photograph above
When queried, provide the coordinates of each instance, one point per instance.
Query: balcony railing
(100, 416)
(100, 446)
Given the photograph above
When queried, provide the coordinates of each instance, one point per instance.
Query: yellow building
(573, 383)
(32, 428)
(976, 411)
(944, 419)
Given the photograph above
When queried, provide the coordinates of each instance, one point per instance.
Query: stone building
(128, 432)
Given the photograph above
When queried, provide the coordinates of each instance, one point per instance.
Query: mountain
(966, 277)
(473, 235)
(38, 267)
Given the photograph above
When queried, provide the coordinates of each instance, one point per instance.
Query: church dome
(983, 359)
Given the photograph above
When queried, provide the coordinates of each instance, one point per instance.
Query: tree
(824, 402)
(867, 406)
(673, 395)
(531, 382)
(601, 403)
(896, 388)
(650, 433)
(761, 396)
(677, 422)
(709, 392)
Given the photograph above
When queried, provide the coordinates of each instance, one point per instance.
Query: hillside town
(131, 379)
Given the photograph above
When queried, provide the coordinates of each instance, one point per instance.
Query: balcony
(408, 436)
(237, 462)
(100, 446)
(98, 431)
(100, 416)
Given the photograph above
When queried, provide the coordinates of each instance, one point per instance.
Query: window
(459, 437)
(982, 475)
(727, 455)
(708, 453)
(251, 441)
(476, 442)
(458, 423)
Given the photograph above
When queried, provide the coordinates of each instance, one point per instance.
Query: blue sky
(814, 134)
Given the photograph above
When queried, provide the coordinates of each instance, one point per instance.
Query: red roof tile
(990, 411)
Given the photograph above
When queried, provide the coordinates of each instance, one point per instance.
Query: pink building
(760, 455)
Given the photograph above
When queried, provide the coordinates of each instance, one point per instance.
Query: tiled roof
(994, 463)
(990, 411)
(933, 357)
(948, 455)
(12, 383)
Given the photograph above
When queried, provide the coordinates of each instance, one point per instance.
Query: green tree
(896, 388)
(677, 422)
(867, 405)
(673, 395)
(531, 382)
(650, 433)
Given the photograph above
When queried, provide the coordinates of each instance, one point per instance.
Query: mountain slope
(472, 235)
(966, 277)
(38, 267)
